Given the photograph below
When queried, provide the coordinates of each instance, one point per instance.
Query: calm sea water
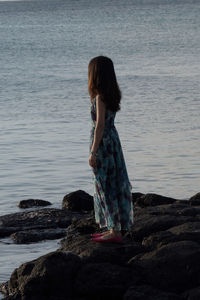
(44, 105)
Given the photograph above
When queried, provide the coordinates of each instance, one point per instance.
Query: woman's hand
(92, 161)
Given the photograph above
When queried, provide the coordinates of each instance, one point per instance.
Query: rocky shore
(159, 258)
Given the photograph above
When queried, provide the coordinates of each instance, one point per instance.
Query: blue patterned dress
(113, 204)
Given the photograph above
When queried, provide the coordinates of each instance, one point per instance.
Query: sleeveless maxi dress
(113, 206)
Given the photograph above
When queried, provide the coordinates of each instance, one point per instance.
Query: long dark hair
(102, 81)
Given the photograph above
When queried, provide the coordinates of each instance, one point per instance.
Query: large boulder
(49, 277)
(187, 231)
(173, 267)
(192, 294)
(78, 201)
(147, 224)
(103, 281)
(39, 220)
(36, 235)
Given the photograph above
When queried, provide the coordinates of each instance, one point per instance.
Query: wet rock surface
(41, 219)
(33, 202)
(36, 235)
(157, 260)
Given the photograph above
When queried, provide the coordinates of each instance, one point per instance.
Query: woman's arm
(100, 122)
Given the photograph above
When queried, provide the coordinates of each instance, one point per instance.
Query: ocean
(45, 121)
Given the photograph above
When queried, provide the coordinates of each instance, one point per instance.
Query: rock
(192, 294)
(37, 219)
(174, 209)
(84, 225)
(158, 258)
(4, 288)
(49, 277)
(78, 201)
(47, 217)
(195, 200)
(33, 202)
(96, 252)
(187, 231)
(36, 235)
(100, 281)
(6, 231)
(151, 199)
(78, 241)
(183, 201)
(147, 292)
(136, 196)
(158, 239)
(146, 224)
(173, 267)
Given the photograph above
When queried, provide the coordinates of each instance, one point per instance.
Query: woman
(112, 189)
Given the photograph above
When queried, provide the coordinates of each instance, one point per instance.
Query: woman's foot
(112, 234)
(113, 237)
(100, 234)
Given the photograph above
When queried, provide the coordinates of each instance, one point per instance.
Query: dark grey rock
(187, 231)
(84, 225)
(6, 231)
(173, 267)
(37, 219)
(13, 297)
(33, 202)
(36, 235)
(78, 240)
(192, 294)
(4, 288)
(97, 252)
(158, 239)
(136, 196)
(153, 199)
(51, 275)
(97, 281)
(46, 217)
(158, 259)
(147, 224)
(195, 200)
(147, 292)
(78, 201)
(174, 209)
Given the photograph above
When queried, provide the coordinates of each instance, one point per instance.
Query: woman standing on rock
(112, 189)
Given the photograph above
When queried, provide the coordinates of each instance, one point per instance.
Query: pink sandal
(116, 239)
(97, 234)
